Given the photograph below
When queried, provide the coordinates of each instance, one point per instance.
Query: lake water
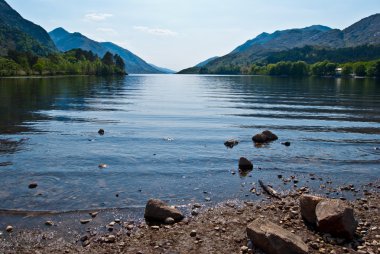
(164, 137)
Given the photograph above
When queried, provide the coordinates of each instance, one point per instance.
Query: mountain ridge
(363, 32)
(65, 41)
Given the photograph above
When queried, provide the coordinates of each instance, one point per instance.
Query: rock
(93, 214)
(33, 185)
(193, 233)
(111, 239)
(334, 216)
(265, 136)
(84, 221)
(274, 239)
(49, 223)
(260, 138)
(158, 210)
(270, 135)
(102, 165)
(169, 220)
(9, 229)
(307, 205)
(287, 143)
(231, 143)
(195, 212)
(245, 164)
(101, 132)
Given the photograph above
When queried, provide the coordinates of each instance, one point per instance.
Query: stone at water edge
(231, 143)
(308, 204)
(260, 138)
(9, 229)
(274, 239)
(158, 210)
(336, 217)
(245, 164)
(270, 135)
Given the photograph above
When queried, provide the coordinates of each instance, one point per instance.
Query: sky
(181, 33)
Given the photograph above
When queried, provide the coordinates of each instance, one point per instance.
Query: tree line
(297, 69)
(72, 62)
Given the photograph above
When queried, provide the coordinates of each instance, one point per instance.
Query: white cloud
(155, 31)
(96, 16)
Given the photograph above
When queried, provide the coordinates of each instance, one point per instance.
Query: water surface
(164, 137)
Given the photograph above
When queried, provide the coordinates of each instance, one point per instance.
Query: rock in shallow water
(158, 210)
(265, 136)
(274, 239)
(245, 164)
(33, 185)
(334, 216)
(231, 143)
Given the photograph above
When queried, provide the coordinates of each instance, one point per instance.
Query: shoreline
(220, 229)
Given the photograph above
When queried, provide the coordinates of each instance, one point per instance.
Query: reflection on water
(164, 137)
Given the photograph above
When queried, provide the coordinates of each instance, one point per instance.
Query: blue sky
(180, 33)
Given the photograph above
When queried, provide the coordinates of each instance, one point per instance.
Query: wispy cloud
(155, 31)
(97, 16)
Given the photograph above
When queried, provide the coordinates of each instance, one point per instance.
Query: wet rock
(287, 143)
(9, 229)
(158, 210)
(260, 138)
(102, 165)
(101, 132)
(231, 143)
(265, 136)
(33, 185)
(334, 216)
(274, 239)
(308, 204)
(245, 164)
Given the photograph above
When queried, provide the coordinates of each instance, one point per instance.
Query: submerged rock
(287, 143)
(158, 210)
(101, 132)
(265, 136)
(245, 164)
(336, 217)
(33, 185)
(308, 204)
(274, 239)
(231, 143)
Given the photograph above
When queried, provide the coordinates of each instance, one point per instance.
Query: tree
(347, 70)
(119, 62)
(376, 71)
(360, 70)
(108, 59)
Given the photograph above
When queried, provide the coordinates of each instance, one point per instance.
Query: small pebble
(84, 221)
(9, 228)
(49, 223)
(193, 233)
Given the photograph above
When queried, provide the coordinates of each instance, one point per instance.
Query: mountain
(259, 49)
(163, 70)
(201, 64)
(17, 33)
(66, 41)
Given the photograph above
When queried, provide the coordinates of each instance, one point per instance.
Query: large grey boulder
(336, 217)
(274, 239)
(308, 203)
(157, 210)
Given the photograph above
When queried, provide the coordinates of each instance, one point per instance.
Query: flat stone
(274, 239)
(334, 216)
(158, 210)
(308, 204)
(85, 221)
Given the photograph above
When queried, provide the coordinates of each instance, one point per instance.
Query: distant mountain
(163, 70)
(66, 41)
(259, 49)
(201, 64)
(17, 33)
